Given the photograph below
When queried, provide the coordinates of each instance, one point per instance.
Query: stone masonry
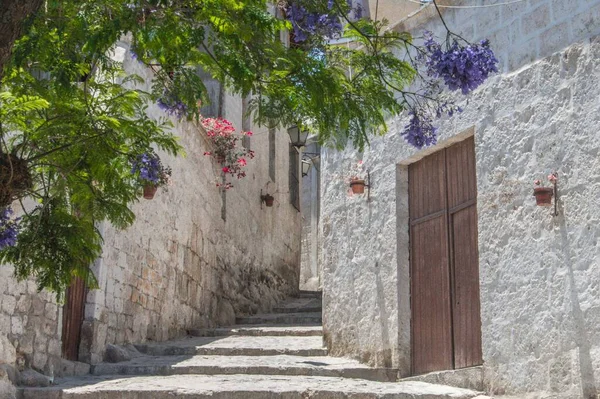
(538, 274)
(182, 265)
(276, 355)
(194, 258)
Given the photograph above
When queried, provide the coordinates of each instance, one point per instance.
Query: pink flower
(248, 133)
(552, 177)
(225, 169)
(537, 182)
(242, 161)
(207, 153)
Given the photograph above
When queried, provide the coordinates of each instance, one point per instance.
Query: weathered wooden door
(446, 324)
(73, 313)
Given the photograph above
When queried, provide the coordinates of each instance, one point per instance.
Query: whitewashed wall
(540, 275)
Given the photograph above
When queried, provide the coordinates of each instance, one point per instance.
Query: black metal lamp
(306, 165)
(298, 136)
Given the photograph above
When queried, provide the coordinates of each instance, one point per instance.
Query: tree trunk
(13, 17)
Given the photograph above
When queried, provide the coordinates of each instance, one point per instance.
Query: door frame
(403, 250)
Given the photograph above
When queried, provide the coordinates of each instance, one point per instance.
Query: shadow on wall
(383, 319)
(586, 369)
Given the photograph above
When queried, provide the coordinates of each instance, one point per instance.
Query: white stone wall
(539, 274)
(310, 270)
(181, 266)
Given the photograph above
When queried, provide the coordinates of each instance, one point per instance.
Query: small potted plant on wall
(150, 172)
(543, 195)
(357, 179)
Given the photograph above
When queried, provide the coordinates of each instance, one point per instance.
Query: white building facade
(527, 307)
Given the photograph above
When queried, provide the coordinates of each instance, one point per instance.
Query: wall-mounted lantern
(298, 136)
(306, 165)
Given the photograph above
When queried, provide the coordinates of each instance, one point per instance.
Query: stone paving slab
(238, 346)
(242, 387)
(260, 330)
(282, 318)
(266, 365)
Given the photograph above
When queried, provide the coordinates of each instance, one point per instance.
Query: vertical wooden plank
(430, 290)
(466, 306)
(462, 194)
(73, 313)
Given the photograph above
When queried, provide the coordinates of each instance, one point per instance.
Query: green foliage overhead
(71, 120)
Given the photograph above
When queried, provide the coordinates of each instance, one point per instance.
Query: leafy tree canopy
(71, 120)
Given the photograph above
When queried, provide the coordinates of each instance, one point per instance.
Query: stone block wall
(538, 273)
(196, 257)
(30, 324)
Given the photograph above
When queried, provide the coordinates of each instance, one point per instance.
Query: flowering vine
(461, 67)
(323, 24)
(9, 228)
(456, 66)
(233, 158)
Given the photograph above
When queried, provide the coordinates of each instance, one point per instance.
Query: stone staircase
(269, 356)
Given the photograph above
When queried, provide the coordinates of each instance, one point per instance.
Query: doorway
(444, 261)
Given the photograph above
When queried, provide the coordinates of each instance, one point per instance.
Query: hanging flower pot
(357, 185)
(543, 195)
(149, 191)
(268, 200)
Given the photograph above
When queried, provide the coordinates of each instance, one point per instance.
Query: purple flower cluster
(461, 67)
(172, 107)
(307, 24)
(420, 131)
(9, 229)
(149, 168)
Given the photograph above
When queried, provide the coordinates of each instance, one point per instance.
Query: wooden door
(73, 313)
(446, 326)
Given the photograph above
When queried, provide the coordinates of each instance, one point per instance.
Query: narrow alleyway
(277, 355)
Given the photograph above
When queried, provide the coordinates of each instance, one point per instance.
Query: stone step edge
(290, 387)
(153, 350)
(370, 374)
(297, 309)
(282, 318)
(254, 330)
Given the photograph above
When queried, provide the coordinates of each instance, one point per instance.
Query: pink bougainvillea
(225, 140)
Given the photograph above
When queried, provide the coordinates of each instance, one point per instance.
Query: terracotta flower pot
(358, 186)
(149, 191)
(543, 195)
(269, 200)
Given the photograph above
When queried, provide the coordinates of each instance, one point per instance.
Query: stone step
(321, 366)
(238, 346)
(299, 305)
(239, 386)
(300, 309)
(282, 318)
(310, 294)
(260, 330)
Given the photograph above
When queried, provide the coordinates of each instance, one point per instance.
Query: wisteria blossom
(9, 228)
(461, 67)
(420, 131)
(150, 170)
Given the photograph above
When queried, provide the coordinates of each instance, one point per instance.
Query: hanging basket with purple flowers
(150, 172)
